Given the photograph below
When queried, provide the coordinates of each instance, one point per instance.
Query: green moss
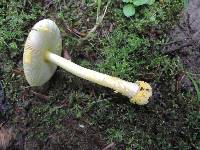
(131, 50)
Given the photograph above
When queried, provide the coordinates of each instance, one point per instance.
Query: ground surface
(159, 45)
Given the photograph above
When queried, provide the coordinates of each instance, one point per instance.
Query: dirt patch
(77, 135)
(185, 39)
(73, 114)
(7, 137)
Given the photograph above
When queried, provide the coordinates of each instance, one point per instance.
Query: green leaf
(126, 1)
(13, 45)
(129, 10)
(140, 2)
(150, 2)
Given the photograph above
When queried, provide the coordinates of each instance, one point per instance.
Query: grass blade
(196, 87)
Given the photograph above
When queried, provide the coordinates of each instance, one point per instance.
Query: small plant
(186, 3)
(129, 7)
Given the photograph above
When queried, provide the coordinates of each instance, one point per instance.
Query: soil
(78, 133)
(185, 39)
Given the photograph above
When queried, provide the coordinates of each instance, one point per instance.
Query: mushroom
(42, 56)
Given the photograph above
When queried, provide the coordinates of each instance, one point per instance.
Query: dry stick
(70, 30)
(98, 22)
(89, 34)
(110, 146)
(41, 96)
(98, 9)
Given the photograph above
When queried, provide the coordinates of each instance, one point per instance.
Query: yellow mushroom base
(143, 95)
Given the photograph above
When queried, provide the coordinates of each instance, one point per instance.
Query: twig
(18, 72)
(98, 22)
(71, 30)
(110, 146)
(41, 96)
(98, 9)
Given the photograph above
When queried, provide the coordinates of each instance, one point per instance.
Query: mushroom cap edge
(44, 36)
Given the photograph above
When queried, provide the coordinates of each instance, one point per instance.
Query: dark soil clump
(186, 39)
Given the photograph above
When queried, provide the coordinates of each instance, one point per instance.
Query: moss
(130, 49)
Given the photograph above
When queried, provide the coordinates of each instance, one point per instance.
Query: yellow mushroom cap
(143, 94)
(44, 36)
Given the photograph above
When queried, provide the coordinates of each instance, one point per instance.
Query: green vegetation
(196, 87)
(129, 7)
(72, 113)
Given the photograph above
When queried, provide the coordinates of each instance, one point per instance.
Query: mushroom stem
(128, 89)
